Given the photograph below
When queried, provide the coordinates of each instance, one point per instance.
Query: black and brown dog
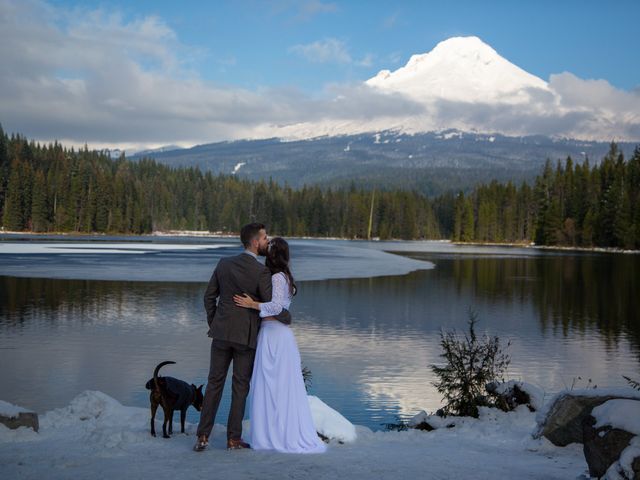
(172, 394)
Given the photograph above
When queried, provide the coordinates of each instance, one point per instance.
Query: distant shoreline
(207, 234)
(549, 247)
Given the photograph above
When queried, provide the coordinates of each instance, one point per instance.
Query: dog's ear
(200, 387)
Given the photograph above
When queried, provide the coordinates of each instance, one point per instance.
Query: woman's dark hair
(278, 261)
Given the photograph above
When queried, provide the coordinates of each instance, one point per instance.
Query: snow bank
(95, 435)
(622, 414)
(330, 423)
(10, 410)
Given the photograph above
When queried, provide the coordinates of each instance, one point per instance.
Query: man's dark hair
(249, 232)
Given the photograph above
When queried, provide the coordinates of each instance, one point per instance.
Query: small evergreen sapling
(471, 363)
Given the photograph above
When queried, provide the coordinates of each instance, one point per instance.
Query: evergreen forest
(50, 188)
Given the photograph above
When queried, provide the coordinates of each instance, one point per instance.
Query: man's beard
(263, 250)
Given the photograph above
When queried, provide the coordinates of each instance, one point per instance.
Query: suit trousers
(222, 354)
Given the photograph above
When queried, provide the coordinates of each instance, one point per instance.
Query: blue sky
(142, 74)
(252, 43)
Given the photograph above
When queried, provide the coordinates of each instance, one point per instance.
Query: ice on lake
(189, 262)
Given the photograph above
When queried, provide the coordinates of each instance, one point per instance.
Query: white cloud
(84, 76)
(323, 51)
(366, 61)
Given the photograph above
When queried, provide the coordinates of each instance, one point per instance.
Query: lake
(98, 313)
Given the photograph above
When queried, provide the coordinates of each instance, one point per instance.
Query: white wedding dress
(280, 414)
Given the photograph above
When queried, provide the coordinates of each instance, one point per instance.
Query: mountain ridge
(432, 162)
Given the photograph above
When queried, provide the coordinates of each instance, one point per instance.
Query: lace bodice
(280, 296)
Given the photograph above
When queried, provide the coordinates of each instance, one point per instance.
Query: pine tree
(468, 227)
(471, 363)
(458, 217)
(13, 214)
(623, 233)
(39, 207)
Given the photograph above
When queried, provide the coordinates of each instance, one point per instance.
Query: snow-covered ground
(97, 437)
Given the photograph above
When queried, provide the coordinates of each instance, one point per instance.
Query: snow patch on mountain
(237, 168)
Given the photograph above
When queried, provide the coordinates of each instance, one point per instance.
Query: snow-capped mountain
(466, 85)
(460, 69)
(449, 118)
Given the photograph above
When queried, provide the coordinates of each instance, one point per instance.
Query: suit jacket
(237, 275)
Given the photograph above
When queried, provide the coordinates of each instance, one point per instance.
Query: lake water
(100, 314)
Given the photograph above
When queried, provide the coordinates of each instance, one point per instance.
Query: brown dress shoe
(201, 444)
(236, 444)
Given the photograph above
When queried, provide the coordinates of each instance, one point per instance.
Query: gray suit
(234, 333)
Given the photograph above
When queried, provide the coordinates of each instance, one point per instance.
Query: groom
(234, 332)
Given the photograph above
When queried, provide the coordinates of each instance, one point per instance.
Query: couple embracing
(247, 306)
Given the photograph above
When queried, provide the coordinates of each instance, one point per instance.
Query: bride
(280, 414)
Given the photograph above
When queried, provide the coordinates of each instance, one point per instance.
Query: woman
(280, 414)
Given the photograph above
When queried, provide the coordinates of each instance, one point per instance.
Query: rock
(424, 426)
(628, 466)
(425, 422)
(509, 395)
(603, 446)
(23, 419)
(562, 422)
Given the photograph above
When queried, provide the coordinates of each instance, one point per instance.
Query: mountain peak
(461, 47)
(462, 69)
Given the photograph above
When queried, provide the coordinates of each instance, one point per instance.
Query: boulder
(26, 419)
(602, 446)
(562, 421)
(628, 466)
(616, 448)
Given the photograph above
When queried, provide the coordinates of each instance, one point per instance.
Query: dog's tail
(155, 373)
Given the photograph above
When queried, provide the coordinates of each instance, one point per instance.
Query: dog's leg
(171, 422)
(154, 409)
(183, 416)
(167, 416)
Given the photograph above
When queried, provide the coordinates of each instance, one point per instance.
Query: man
(234, 332)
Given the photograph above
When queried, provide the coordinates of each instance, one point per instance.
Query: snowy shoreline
(97, 434)
(548, 247)
(222, 235)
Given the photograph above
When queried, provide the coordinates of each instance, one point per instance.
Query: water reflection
(567, 291)
(369, 342)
